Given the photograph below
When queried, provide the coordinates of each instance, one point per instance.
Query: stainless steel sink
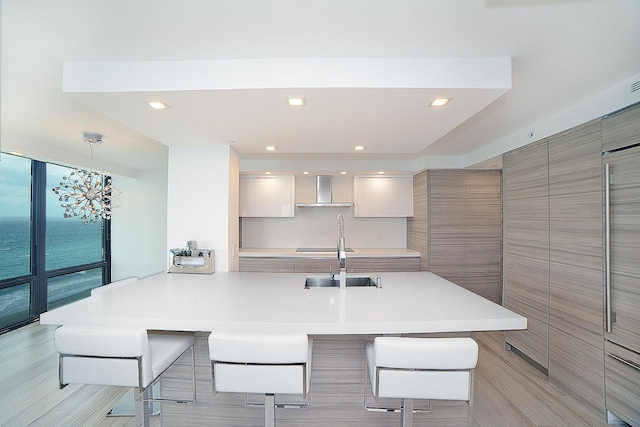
(329, 281)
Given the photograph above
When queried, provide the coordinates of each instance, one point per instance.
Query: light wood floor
(508, 391)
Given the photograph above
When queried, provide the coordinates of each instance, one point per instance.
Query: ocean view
(68, 242)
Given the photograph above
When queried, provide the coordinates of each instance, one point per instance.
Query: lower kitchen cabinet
(366, 265)
(622, 382)
(328, 265)
(267, 264)
(319, 265)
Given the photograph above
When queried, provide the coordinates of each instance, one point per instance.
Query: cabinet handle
(625, 361)
(607, 240)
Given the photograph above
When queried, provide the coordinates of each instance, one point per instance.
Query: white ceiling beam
(468, 73)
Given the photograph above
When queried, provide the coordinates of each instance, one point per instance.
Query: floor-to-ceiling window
(46, 260)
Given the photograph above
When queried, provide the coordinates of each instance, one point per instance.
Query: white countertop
(357, 253)
(418, 302)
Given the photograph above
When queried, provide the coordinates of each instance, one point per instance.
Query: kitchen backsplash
(317, 227)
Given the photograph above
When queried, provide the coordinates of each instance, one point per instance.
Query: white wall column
(202, 202)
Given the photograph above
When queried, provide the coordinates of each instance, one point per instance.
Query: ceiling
(368, 70)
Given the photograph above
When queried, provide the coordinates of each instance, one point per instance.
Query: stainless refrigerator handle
(607, 243)
(625, 361)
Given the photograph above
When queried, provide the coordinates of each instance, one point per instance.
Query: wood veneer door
(625, 247)
(576, 264)
(526, 247)
(465, 229)
(447, 217)
(483, 245)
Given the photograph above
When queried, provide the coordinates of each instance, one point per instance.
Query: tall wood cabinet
(621, 160)
(526, 247)
(576, 264)
(417, 226)
(457, 227)
(553, 257)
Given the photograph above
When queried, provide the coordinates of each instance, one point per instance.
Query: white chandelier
(88, 195)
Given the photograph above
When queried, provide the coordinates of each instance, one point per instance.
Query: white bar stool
(121, 357)
(261, 363)
(422, 368)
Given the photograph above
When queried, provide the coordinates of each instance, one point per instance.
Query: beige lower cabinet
(622, 383)
(365, 265)
(319, 265)
(267, 264)
(328, 265)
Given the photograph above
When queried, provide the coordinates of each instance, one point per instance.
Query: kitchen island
(338, 320)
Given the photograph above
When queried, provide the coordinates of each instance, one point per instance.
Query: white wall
(598, 105)
(139, 227)
(199, 204)
(317, 227)
(234, 211)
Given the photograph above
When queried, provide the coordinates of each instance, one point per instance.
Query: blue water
(68, 242)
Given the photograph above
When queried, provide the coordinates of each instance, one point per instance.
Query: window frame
(39, 276)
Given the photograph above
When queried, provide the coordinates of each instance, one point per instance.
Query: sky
(15, 187)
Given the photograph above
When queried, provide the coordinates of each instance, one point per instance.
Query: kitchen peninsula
(338, 320)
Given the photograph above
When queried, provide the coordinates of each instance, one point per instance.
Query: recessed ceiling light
(440, 102)
(271, 148)
(157, 105)
(267, 173)
(305, 173)
(359, 148)
(343, 173)
(381, 173)
(296, 102)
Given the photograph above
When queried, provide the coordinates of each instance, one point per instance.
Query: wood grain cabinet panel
(483, 233)
(576, 263)
(621, 130)
(366, 265)
(465, 229)
(623, 377)
(320, 265)
(526, 247)
(267, 265)
(418, 226)
(328, 265)
(622, 346)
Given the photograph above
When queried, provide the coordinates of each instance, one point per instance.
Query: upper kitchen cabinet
(383, 196)
(267, 196)
(324, 191)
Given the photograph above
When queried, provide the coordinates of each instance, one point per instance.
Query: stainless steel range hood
(323, 195)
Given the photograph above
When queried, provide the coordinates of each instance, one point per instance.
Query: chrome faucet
(342, 254)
